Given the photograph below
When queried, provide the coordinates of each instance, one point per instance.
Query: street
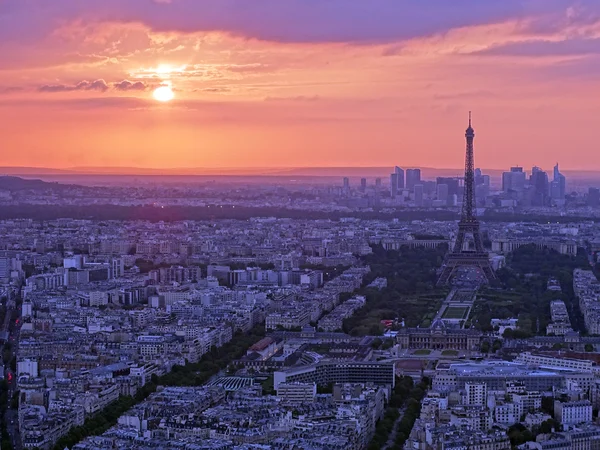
(11, 327)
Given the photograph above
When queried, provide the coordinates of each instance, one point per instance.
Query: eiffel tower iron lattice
(463, 255)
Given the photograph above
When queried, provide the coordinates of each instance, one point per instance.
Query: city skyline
(89, 84)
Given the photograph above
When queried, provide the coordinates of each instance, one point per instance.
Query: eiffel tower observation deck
(468, 251)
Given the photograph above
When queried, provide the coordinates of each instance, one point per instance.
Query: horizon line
(106, 169)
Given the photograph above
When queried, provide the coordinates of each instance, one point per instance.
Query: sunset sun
(163, 94)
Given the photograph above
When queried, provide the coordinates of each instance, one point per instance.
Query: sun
(163, 94)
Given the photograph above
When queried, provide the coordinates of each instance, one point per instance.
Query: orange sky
(244, 100)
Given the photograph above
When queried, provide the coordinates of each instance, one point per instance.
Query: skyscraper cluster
(444, 191)
(537, 190)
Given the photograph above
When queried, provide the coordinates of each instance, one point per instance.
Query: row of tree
(406, 396)
(191, 374)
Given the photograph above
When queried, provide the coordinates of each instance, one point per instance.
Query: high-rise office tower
(346, 184)
(478, 177)
(363, 184)
(539, 182)
(377, 183)
(452, 183)
(514, 180)
(400, 172)
(442, 193)
(393, 185)
(413, 177)
(559, 185)
(418, 195)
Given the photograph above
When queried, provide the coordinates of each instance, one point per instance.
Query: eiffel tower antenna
(459, 256)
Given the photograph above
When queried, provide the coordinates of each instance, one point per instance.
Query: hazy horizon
(252, 170)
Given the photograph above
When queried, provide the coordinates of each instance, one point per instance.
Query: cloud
(127, 85)
(97, 85)
(541, 48)
(292, 21)
(10, 89)
(215, 89)
(299, 98)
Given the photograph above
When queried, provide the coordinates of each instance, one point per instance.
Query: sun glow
(163, 94)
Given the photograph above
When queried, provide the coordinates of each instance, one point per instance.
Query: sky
(299, 83)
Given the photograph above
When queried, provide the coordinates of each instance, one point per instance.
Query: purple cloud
(97, 85)
(273, 20)
(533, 48)
(127, 85)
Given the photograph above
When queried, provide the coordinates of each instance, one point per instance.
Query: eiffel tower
(466, 253)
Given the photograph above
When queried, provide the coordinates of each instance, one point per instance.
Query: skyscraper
(418, 195)
(539, 182)
(413, 177)
(363, 184)
(442, 193)
(346, 188)
(513, 180)
(393, 185)
(452, 183)
(558, 187)
(398, 171)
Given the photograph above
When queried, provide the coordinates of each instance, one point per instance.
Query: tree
(548, 405)
(549, 425)
(589, 348)
(497, 345)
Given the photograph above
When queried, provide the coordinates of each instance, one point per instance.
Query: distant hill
(13, 184)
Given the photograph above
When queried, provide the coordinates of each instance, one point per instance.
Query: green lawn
(455, 312)
(450, 353)
(422, 351)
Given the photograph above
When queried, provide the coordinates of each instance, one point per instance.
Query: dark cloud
(127, 85)
(97, 85)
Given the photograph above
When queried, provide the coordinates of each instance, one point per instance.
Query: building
(476, 394)
(562, 246)
(399, 177)
(558, 186)
(442, 193)
(593, 197)
(297, 392)
(496, 375)
(413, 177)
(582, 365)
(419, 195)
(541, 187)
(513, 180)
(327, 372)
(439, 337)
(573, 413)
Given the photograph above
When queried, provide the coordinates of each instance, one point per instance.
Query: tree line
(190, 374)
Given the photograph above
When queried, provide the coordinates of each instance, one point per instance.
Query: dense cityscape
(277, 225)
(422, 316)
